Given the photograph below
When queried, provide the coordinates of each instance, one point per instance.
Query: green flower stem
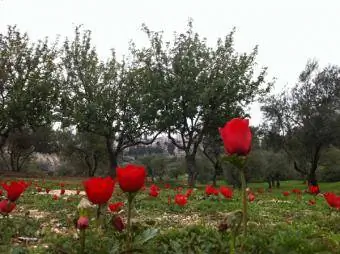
(244, 201)
(82, 241)
(98, 212)
(129, 233)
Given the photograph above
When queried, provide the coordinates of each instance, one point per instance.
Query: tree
(198, 86)
(110, 99)
(85, 147)
(306, 118)
(28, 84)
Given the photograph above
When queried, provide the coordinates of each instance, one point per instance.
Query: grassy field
(277, 224)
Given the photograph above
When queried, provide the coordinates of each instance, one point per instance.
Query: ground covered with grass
(45, 223)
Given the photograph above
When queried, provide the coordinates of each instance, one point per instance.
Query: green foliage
(305, 118)
(330, 161)
(198, 85)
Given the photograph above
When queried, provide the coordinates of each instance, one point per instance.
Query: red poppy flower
(6, 207)
(332, 200)
(62, 185)
(115, 207)
(99, 190)
(62, 192)
(251, 197)
(131, 178)
(39, 189)
(226, 192)
(286, 193)
(210, 190)
(167, 186)
(153, 192)
(55, 197)
(188, 193)
(181, 199)
(83, 223)
(14, 189)
(236, 136)
(314, 189)
(47, 190)
(118, 223)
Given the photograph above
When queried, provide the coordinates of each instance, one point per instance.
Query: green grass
(277, 224)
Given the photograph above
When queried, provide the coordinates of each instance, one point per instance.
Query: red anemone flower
(99, 190)
(226, 192)
(14, 189)
(236, 136)
(118, 223)
(181, 199)
(6, 207)
(286, 193)
(210, 190)
(251, 197)
(131, 178)
(115, 207)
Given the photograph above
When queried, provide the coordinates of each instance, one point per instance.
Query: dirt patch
(67, 193)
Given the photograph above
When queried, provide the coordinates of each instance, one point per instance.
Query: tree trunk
(191, 169)
(218, 170)
(269, 180)
(112, 157)
(312, 177)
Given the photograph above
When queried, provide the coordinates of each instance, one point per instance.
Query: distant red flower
(181, 199)
(188, 193)
(226, 192)
(83, 223)
(78, 192)
(286, 193)
(251, 197)
(131, 177)
(314, 189)
(167, 186)
(14, 189)
(55, 197)
(62, 185)
(179, 189)
(153, 193)
(6, 207)
(236, 136)
(210, 190)
(332, 200)
(99, 190)
(311, 202)
(118, 223)
(39, 189)
(169, 200)
(62, 191)
(115, 207)
(47, 190)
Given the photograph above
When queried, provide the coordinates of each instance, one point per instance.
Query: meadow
(45, 223)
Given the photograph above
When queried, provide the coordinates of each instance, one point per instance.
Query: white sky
(288, 32)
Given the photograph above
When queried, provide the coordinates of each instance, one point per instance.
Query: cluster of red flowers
(154, 190)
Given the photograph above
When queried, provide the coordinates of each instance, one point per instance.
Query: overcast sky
(288, 32)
